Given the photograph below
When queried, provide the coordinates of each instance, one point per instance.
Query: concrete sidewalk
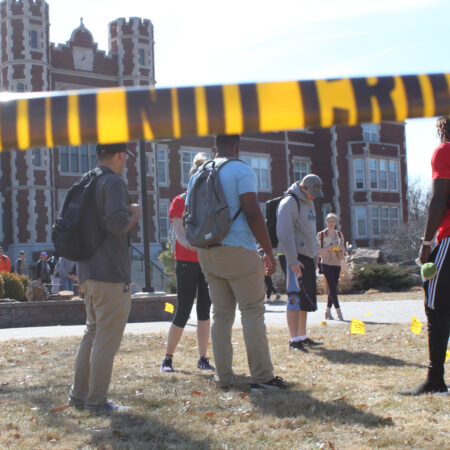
(398, 311)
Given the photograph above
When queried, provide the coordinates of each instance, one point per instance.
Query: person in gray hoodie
(296, 231)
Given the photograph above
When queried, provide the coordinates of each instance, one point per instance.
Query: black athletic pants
(191, 283)
(269, 286)
(437, 308)
(331, 274)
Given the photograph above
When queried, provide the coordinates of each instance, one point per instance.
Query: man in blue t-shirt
(235, 273)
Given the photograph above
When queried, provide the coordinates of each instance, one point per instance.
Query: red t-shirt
(176, 210)
(440, 164)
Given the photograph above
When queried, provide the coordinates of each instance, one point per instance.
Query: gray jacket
(296, 230)
(111, 261)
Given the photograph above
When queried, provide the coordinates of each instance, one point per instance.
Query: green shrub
(24, 279)
(2, 289)
(13, 286)
(168, 261)
(368, 276)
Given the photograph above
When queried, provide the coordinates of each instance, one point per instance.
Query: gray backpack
(207, 215)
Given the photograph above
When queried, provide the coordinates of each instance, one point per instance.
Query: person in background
(267, 279)
(190, 284)
(437, 289)
(54, 274)
(67, 272)
(5, 263)
(43, 271)
(331, 250)
(21, 265)
(296, 231)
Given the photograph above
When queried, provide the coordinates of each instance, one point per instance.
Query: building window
(163, 166)
(361, 221)
(260, 166)
(77, 159)
(20, 87)
(141, 57)
(384, 220)
(393, 185)
(370, 132)
(186, 164)
(33, 39)
(382, 163)
(395, 218)
(37, 162)
(301, 169)
(164, 221)
(376, 221)
(359, 173)
(148, 163)
(373, 167)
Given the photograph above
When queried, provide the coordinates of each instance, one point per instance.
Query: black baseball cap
(103, 149)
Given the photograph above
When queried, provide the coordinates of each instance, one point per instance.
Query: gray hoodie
(296, 230)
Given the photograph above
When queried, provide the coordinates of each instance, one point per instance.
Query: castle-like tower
(25, 50)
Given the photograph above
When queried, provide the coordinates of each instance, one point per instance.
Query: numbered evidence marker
(357, 327)
(169, 308)
(416, 325)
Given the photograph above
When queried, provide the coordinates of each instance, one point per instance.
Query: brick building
(363, 167)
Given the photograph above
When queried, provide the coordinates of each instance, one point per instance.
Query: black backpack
(78, 231)
(271, 216)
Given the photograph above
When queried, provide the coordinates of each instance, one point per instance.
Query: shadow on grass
(298, 403)
(363, 358)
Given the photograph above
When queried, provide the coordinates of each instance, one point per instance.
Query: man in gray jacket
(296, 231)
(105, 279)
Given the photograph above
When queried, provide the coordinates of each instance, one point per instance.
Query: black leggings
(438, 334)
(191, 282)
(269, 286)
(331, 274)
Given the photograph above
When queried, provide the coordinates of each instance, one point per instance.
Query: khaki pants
(236, 275)
(107, 308)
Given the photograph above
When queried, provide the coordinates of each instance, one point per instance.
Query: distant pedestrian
(5, 263)
(331, 251)
(43, 271)
(437, 289)
(54, 274)
(21, 265)
(106, 281)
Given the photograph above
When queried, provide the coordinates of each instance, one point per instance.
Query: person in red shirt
(5, 263)
(190, 284)
(437, 290)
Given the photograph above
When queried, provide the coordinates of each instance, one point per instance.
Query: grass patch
(344, 396)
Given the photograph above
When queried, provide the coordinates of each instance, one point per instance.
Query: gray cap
(313, 185)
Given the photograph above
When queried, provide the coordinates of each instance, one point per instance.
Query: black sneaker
(298, 346)
(275, 384)
(203, 363)
(166, 365)
(310, 342)
(426, 388)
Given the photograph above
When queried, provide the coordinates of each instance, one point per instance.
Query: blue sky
(207, 42)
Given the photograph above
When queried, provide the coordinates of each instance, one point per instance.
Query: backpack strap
(321, 239)
(291, 194)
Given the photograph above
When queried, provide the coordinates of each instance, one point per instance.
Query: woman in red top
(190, 284)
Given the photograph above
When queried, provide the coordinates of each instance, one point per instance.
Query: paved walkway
(399, 311)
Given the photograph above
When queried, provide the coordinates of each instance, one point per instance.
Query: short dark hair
(226, 142)
(443, 127)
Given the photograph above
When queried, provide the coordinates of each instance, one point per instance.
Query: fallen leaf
(363, 406)
(331, 445)
(196, 393)
(210, 414)
(11, 426)
(228, 416)
(243, 395)
(44, 352)
(59, 409)
(17, 436)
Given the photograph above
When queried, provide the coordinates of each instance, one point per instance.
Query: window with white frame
(20, 87)
(382, 165)
(376, 228)
(393, 185)
(186, 163)
(301, 169)
(141, 57)
(162, 163)
(395, 218)
(359, 173)
(361, 221)
(148, 163)
(33, 39)
(37, 157)
(260, 165)
(164, 221)
(370, 132)
(385, 219)
(373, 169)
(77, 159)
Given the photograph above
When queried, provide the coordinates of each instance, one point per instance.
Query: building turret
(132, 41)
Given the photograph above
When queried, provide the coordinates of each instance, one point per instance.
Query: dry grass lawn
(344, 396)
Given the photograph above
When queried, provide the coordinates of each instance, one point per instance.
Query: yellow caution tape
(124, 114)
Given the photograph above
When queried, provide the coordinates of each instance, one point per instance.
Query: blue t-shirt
(236, 178)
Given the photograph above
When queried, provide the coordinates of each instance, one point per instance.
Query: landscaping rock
(36, 292)
(366, 256)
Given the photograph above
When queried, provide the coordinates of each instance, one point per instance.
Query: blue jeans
(66, 284)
